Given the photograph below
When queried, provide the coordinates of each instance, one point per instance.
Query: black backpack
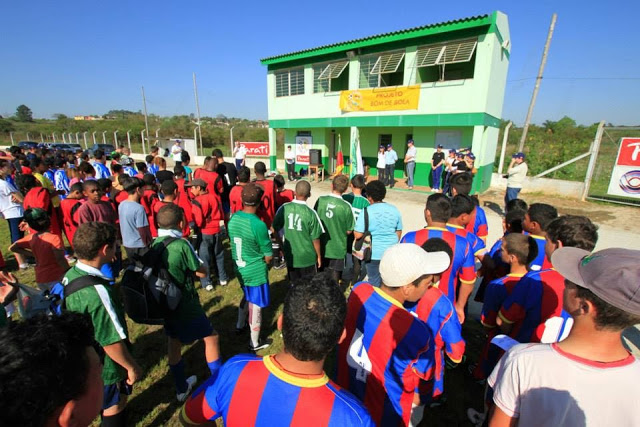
(149, 292)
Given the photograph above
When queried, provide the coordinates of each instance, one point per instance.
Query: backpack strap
(366, 220)
(83, 282)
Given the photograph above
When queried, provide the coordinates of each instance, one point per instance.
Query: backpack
(149, 292)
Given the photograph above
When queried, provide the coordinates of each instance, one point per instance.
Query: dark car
(107, 148)
(75, 147)
(27, 145)
(60, 146)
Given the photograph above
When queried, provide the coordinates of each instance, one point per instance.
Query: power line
(575, 78)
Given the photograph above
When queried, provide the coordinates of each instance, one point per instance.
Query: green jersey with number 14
(250, 243)
(301, 226)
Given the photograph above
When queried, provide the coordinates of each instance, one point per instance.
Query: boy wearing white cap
(378, 359)
(589, 378)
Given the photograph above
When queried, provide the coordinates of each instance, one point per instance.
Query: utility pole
(538, 80)
(146, 118)
(195, 92)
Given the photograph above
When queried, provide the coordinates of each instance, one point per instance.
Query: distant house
(441, 83)
(87, 118)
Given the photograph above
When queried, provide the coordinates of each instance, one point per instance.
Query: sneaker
(280, 266)
(191, 381)
(261, 345)
(224, 282)
(209, 287)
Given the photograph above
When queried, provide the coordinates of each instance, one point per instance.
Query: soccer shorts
(189, 331)
(113, 393)
(258, 295)
(333, 264)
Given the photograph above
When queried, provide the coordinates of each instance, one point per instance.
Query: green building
(441, 83)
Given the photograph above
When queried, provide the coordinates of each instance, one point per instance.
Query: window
(384, 139)
(382, 70)
(290, 82)
(446, 61)
(330, 77)
(450, 139)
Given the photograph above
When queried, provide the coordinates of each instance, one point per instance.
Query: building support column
(273, 164)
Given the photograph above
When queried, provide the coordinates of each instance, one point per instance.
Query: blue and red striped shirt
(252, 390)
(496, 293)
(377, 359)
(541, 262)
(478, 224)
(462, 265)
(478, 247)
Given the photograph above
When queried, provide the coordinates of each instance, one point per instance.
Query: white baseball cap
(403, 263)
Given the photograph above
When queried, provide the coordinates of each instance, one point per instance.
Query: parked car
(107, 148)
(60, 146)
(27, 145)
(75, 147)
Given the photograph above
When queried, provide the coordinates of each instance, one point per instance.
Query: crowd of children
(396, 334)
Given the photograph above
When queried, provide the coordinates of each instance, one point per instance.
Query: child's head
(435, 244)
(105, 185)
(279, 180)
(85, 170)
(197, 187)
(95, 241)
(141, 167)
(75, 191)
(179, 172)
(59, 163)
(38, 219)
(149, 159)
(461, 183)
(519, 248)
(149, 180)
(340, 184)
(260, 168)
(186, 158)
(251, 195)
(170, 217)
(513, 221)
(91, 191)
(169, 188)
(516, 204)
(538, 217)
(573, 231)
(303, 190)
(116, 169)
(244, 174)
(461, 208)
(132, 185)
(358, 183)
(438, 208)
(26, 182)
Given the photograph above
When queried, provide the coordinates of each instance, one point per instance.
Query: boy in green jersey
(337, 219)
(358, 202)
(95, 245)
(188, 322)
(251, 252)
(301, 229)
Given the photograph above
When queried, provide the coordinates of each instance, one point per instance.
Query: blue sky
(77, 57)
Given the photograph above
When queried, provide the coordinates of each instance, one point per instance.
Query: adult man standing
(239, 152)
(516, 173)
(437, 160)
(176, 152)
(229, 175)
(564, 383)
(290, 159)
(410, 161)
(390, 159)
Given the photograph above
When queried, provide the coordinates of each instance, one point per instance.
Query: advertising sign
(256, 149)
(381, 99)
(625, 178)
(303, 145)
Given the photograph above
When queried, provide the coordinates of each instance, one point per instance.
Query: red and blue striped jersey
(496, 293)
(541, 262)
(477, 245)
(462, 266)
(478, 224)
(535, 308)
(377, 359)
(252, 390)
(436, 310)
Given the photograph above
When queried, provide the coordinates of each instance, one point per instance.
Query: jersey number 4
(357, 358)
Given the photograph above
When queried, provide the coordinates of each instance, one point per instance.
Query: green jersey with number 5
(250, 243)
(301, 226)
(337, 219)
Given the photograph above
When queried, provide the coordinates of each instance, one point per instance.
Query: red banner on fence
(256, 149)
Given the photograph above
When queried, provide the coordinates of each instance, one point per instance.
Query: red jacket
(207, 213)
(69, 208)
(38, 197)
(154, 224)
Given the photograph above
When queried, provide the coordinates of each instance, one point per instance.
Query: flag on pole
(339, 158)
(357, 166)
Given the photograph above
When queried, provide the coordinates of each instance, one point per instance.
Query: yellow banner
(381, 99)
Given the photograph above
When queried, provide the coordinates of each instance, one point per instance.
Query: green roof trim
(407, 34)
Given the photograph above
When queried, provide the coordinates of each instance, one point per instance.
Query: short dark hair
(179, 170)
(303, 189)
(90, 237)
(514, 220)
(524, 247)
(462, 183)
(148, 158)
(251, 194)
(141, 166)
(516, 204)
(87, 168)
(116, 168)
(98, 154)
(244, 174)
(340, 183)
(543, 214)
(148, 179)
(607, 317)
(155, 149)
(59, 162)
(436, 244)
(35, 162)
(26, 182)
(43, 365)
(313, 318)
(573, 230)
(358, 181)
(105, 184)
(169, 216)
(76, 187)
(439, 206)
(376, 190)
(260, 168)
(462, 204)
(217, 153)
(132, 184)
(168, 187)
(279, 180)
(90, 183)
(38, 219)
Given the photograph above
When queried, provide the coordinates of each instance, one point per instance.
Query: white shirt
(411, 154)
(517, 174)
(543, 386)
(381, 163)
(8, 208)
(240, 152)
(290, 156)
(176, 152)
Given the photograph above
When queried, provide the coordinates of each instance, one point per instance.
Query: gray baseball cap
(612, 274)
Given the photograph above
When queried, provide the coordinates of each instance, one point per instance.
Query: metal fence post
(595, 148)
(504, 146)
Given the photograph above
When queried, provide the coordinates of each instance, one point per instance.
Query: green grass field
(153, 401)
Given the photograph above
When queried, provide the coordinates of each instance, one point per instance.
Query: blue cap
(410, 141)
(389, 145)
(440, 146)
(471, 156)
(519, 155)
(452, 151)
